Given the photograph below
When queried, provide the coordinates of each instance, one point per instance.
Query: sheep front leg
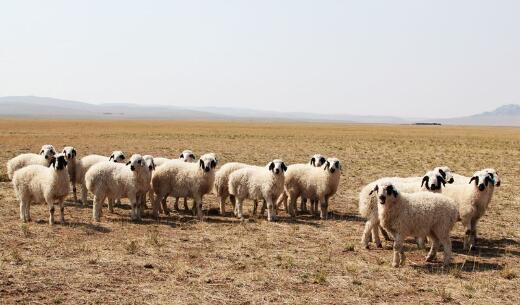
(398, 251)
(239, 209)
(156, 205)
(165, 206)
(186, 208)
(23, 209)
(84, 193)
(222, 203)
(51, 213)
(433, 249)
(176, 204)
(324, 208)
(110, 205)
(133, 203)
(96, 209)
(446, 244)
(303, 205)
(270, 211)
(74, 192)
(467, 235)
(62, 212)
(255, 206)
(197, 206)
(292, 205)
(473, 235)
(264, 206)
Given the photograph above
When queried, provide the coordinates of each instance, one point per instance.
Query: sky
(401, 58)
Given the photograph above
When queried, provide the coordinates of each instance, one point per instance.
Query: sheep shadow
(466, 266)
(88, 227)
(489, 248)
(147, 220)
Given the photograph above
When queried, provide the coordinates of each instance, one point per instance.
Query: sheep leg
(255, 206)
(234, 203)
(399, 258)
(239, 209)
(150, 196)
(197, 206)
(467, 237)
(186, 208)
(375, 233)
(314, 204)
(222, 203)
(62, 212)
(84, 192)
(110, 205)
(133, 203)
(165, 206)
(96, 210)
(28, 211)
(156, 205)
(74, 192)
(270, 211)
(264, 205)
(51, 213)
(473, 235)
(324, 207)
(292, 206)
(420, 242)
(385, 234)
(446, 244)
(303, 205)
(433, 249)
(23, 210)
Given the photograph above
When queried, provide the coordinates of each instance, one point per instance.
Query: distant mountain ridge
(45, 107)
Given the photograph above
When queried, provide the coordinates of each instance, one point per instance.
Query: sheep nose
(332, 169)
(481, 187)
(149, 167)
(69, 156)
(132, 167)
(382, 198)
(451, 181)
(277, 171)
(206, 169)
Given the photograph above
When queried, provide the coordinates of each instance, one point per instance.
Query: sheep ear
(284, 167)
(128, 163)
(74, 152)
(111, 157)
(441, 179)
(153, 165)
(337, 164)
(474, 178)
(313, 161)
(271, 166)
(425, 179)
(213, 163)
(376, 189)
(201, 164)
(53, 162)
(443, 174)
(192, 156)
(181, 156)
(41, 152)
(327, 165)
(322, 160)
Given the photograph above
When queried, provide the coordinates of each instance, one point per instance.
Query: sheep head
(187, 156)
(333, 165)
(47, 151)
(136, 162)
(117, 156)
(69, 152)
(317, 160)
(208, 162)
(277, 166)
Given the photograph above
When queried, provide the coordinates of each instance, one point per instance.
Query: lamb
(184, 179)
(431, 181)
(38, 183)
(473, 200)
(314, 183)
(85, 163)
(417, 214)
(221, 185)
(116, 180)
(70, 154)
(47, 152)
(257, 183)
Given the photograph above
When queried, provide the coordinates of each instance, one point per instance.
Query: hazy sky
(405, 58)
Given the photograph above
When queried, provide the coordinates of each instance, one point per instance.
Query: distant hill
(45, 107)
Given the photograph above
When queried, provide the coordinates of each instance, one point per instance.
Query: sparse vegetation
(224, 261)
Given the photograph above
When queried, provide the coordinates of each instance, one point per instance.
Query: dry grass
(224, 261)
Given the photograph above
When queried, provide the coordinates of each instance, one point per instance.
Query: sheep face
(332, 165)
(208, 162)
(277, 167)
(433, 181)
(59, 162)
(493, 174)
(482, 180)
(317, 160)
(48, 151)
(187, 156)
(446, 173)
(117, 156)
(386, 192)
(148, 160)
(136, 162)
(69, 152)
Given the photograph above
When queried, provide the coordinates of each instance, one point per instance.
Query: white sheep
(317, 160)
(85, 163)
(258, 183)
(186, 156)
(116, 180)
(184, 179)
(317, 184)
(70, 154)
(431, 181)
(473, 199)
(44, 158)
(461, 179)
(150, 164)
(222, 183)
(38, 184)
(417, 215)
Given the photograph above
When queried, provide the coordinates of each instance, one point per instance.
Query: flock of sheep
(420, 207)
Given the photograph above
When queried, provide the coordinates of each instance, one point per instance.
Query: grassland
(221, 260)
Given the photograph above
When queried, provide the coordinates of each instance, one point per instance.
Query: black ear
(376, 189)
(322, 160)
(74, 152)
(425, 179)
(41, 152)
(474, 178)
(443, 174)
(441, 179)
(192, 156)
(327, 165)
(284, 167)
(337, 165)
(313, 161)
(271, 166)
(181, 156)
(128, 163)
(489, 179)
(201, 164)
(153, 165)
(53, 162)
(213, 163)
(111, 158)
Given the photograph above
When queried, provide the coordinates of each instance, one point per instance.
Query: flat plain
(221, 260)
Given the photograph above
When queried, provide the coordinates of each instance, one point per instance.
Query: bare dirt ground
(221, 260)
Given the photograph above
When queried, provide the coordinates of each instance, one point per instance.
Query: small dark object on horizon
(435, 124)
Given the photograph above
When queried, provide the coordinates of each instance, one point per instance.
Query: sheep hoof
(395, 265)
(430, 259)
(380, 246)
